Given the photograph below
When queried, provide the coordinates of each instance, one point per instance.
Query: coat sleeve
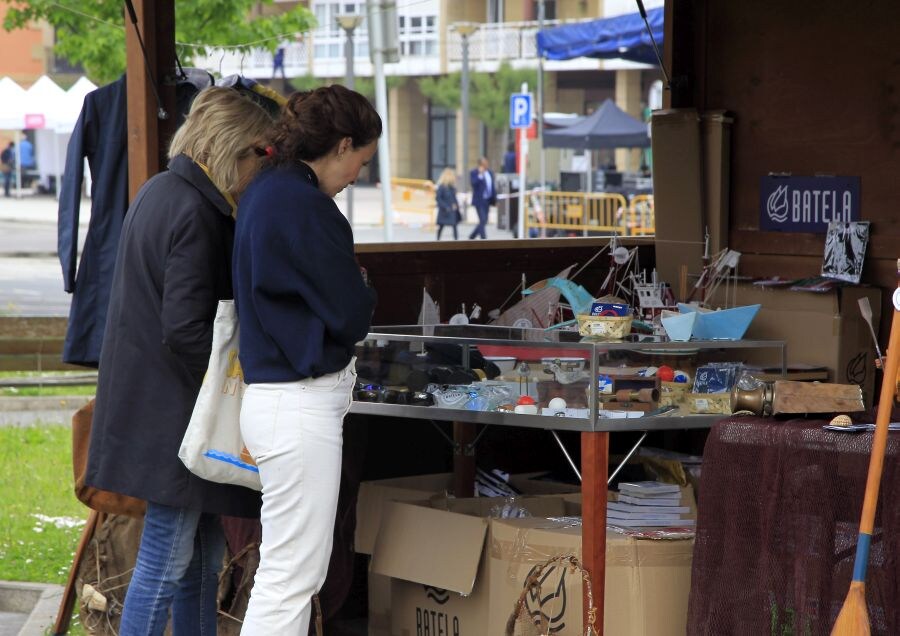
(189, 298)
(70, 197)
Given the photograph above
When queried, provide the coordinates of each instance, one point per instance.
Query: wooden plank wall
(814, 86)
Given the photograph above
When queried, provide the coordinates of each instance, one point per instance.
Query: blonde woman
(172, 267)
(448, 207)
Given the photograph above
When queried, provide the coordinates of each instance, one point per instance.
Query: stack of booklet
(648, 504)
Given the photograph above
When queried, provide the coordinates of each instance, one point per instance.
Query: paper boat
(720, 324)
(679, 327)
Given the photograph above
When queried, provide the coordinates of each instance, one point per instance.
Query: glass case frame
(472, 338)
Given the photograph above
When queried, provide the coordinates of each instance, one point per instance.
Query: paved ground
(30, 276)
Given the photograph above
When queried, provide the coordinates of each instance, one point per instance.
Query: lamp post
(348, 22)
(465, 29)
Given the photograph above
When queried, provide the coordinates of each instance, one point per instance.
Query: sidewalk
(367, 218)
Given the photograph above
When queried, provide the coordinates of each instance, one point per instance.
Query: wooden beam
(156, 21)
(594, 471)
(463, 459)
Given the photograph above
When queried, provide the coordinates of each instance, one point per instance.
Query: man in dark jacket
(484, 194)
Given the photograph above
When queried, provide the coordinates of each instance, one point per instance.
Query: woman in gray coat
(172, 267)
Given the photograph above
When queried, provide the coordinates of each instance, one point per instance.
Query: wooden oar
(866, 310)
(853, 619)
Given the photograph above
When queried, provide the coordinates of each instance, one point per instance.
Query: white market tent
(48, 110)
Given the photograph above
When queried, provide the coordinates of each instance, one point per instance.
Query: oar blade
(853, 619)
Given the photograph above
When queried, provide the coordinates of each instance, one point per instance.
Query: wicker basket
(612, 327)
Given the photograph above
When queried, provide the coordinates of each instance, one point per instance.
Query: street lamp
(348, 22)
(465, 29)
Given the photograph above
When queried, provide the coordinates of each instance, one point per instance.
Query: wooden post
(463, 459)
(594, 469)
(146, 132)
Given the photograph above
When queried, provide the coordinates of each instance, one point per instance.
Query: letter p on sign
(520, 111)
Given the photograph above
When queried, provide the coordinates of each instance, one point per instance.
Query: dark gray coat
(173, 265)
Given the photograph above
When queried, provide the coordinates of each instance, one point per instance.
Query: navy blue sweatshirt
(301, 301)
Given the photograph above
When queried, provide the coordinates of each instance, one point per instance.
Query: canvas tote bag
(212, 447)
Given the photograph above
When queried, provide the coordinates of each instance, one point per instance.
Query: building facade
(425, 137)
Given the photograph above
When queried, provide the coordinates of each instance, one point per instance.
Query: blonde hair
(220, 130)
(448, 177)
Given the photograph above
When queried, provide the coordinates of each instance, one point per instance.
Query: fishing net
(779, 511)
(530, 619)
(105, 572)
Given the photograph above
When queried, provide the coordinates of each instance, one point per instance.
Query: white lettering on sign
(819, 206)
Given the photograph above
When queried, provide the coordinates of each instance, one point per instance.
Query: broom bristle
(853, 619)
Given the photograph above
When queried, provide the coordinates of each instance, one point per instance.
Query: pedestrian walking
(484, 194)
(447, 204)
(278, 63)
(8, 165)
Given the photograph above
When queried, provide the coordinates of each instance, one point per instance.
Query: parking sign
(520, 111)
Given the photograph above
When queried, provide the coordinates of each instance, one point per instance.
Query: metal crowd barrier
(413, 202)
(586, 212)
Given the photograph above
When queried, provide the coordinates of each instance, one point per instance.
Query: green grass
(36, 479)
(45, 391)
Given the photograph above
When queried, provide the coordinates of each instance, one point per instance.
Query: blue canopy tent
(607, 127)
(623, 36)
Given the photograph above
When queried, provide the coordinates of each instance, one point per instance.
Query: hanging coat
(173, 266)
(100, 135)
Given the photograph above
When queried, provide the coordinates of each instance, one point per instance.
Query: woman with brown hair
(173, 266)
(302, 305)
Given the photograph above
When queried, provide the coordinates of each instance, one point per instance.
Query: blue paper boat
(679, 327)
(721, 324)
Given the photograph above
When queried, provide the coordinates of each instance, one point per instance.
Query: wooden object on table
(647, 395)
(816, 397)
(627, 405)
(709, 403)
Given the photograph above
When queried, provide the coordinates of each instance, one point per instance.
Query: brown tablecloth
(779, 511)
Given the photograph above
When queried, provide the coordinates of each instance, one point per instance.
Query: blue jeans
(177, 565)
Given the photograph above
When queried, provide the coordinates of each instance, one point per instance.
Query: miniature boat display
(720, 324)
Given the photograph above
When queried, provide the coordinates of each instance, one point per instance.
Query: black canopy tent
(607, 127)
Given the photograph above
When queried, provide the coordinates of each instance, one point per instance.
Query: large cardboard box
(821, 329)
(457, 573)
(374, 494)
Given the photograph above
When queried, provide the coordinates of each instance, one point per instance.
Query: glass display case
(550, 379)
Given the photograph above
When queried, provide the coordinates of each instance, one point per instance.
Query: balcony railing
(497, 41)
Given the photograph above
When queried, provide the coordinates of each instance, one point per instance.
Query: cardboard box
(454, 572)
(379, 605)
(820, 329)
(374, 494)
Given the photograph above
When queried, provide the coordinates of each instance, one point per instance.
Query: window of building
(549, 9)
(418, 33)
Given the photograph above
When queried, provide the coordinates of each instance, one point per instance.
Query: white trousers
(294, 431)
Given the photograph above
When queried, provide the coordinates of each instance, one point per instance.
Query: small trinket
(526, 406)
(841, 420)
(557, 404)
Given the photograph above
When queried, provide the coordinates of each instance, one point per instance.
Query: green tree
(488, 93)
(93, 34)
